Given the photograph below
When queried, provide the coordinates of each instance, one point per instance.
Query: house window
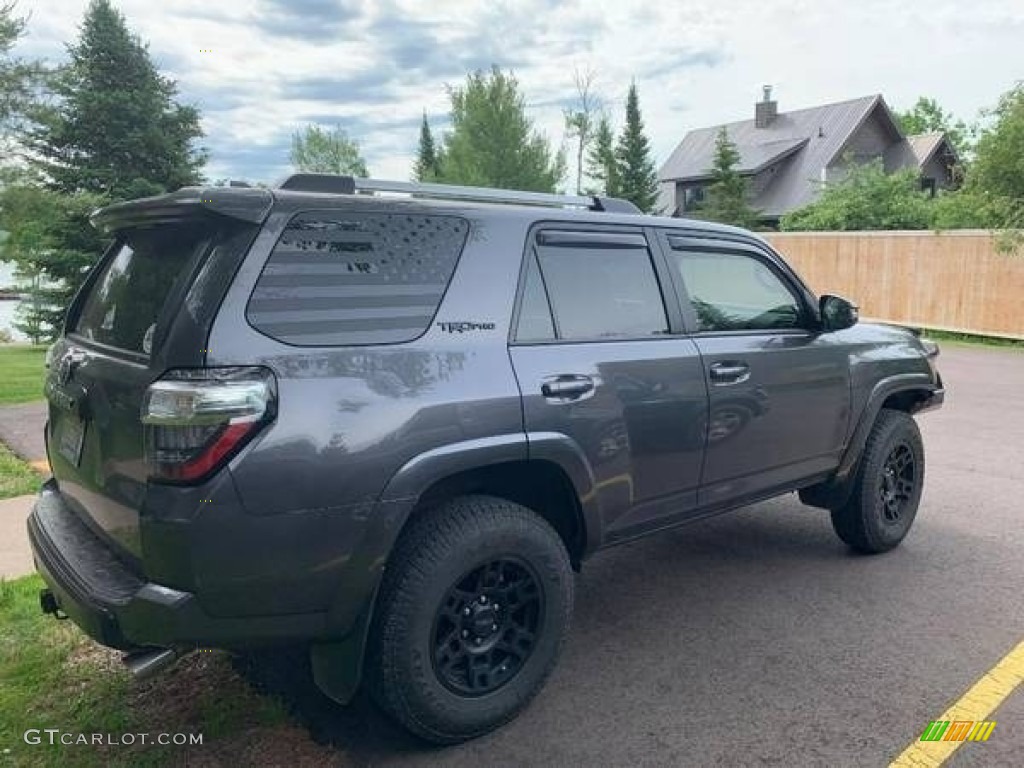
(928, 185)
(692, 198)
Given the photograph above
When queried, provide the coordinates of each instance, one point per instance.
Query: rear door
(779, 389)
(601, 358)
(101, 368)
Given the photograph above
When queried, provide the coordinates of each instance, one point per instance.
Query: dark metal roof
(811, 139)
(925, 145)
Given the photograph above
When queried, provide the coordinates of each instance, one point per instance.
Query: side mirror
(837, 313)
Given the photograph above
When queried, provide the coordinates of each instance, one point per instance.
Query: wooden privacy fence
(953, 280)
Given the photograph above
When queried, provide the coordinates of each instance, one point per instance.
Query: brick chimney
(766, 110)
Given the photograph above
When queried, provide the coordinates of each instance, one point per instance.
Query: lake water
(7, 307)
(7, 318)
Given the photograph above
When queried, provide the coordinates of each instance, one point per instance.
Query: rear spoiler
(243, 203)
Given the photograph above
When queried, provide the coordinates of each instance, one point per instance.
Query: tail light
(196, 420)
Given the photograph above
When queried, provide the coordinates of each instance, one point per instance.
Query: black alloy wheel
(487, 627)
(885, 491)
(897, 483)
(472, 613)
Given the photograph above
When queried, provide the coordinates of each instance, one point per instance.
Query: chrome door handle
(729, 373)
(567, 387)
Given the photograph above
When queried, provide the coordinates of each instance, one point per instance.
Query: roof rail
(347, 185)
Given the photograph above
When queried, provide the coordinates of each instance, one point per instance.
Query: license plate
(70, 436)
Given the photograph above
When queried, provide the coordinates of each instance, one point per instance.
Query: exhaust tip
(145, 663)
(48, 604)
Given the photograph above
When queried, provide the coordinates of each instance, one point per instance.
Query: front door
(601, 358)
(779, 389)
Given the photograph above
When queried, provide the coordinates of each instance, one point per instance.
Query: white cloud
(375, 65)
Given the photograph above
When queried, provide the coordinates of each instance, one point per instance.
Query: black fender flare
(835, 491)
(337, 664)
(562, 450)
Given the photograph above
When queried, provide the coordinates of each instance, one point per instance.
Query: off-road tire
(438, 550)
(863, 522)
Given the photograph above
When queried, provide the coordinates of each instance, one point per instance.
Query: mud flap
(338, 666)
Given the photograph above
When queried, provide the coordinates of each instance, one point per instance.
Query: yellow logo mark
(958, 730)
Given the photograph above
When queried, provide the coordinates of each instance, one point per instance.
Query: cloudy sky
(259, 69)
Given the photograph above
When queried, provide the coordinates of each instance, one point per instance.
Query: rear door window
(134, 283)
(340, 278)
(601, 286)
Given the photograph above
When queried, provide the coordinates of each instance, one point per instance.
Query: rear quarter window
(338, 278)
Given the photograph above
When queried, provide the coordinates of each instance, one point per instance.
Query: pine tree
(428, 166)
(727, 195)
(602, 166)
(52, 246)
(492, 142)
(17, 77)
(638, 178)
(116, 128)
(111, 131)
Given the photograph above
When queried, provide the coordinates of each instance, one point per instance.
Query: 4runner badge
(463, 326)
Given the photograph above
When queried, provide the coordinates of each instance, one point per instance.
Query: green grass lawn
(53, 676)
(16, 477)
(22, 373)
(968, 338)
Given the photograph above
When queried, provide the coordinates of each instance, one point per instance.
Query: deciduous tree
(492, 142)
(327, 150)
(581, 119)
(996, 175)
(928, 116)
(867, 198)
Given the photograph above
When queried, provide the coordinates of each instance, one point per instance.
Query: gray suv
(388, 421)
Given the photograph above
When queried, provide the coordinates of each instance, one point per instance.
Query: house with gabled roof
(787, 156)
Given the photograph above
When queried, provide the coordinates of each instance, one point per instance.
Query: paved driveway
(756, 638)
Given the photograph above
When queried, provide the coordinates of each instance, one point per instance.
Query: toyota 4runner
(387, 421)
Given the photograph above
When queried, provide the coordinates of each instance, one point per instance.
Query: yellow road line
(977, 704)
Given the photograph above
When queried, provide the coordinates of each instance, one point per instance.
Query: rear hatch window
(130, 291)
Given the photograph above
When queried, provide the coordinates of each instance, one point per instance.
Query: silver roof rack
(347, 185)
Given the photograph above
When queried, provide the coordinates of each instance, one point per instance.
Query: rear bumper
(120, 609)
